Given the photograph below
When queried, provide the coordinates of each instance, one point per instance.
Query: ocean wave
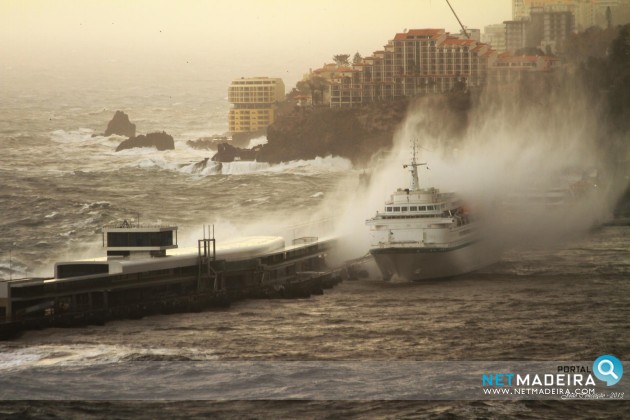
(74, 136)
(258, 141)
(95, 205)
(243, 168)
(90, 354)
(105, 159)
(317, 165)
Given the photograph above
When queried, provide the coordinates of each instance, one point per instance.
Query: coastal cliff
(355, 134)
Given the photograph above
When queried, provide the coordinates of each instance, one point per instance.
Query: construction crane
(460, 22)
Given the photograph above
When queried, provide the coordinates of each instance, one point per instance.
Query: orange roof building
(424, 61)
(414, 62)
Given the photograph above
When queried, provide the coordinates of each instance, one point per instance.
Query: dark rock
(120, 125)
(356, 134)
(228, 153)
(200, 166)
(160, 141)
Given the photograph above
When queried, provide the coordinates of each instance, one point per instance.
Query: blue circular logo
(608, 368)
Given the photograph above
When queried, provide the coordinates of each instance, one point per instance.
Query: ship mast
(415, 183)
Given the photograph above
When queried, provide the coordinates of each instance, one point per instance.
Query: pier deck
(95, 291)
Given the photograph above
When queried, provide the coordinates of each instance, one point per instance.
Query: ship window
(429, 207)
(422, 208)
(413, 208)
(404, 208)
(388, 209)
(396, 208)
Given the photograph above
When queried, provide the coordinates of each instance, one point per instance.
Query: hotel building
(586, 13)
(508, 68)
(254, 101)
(419, 61)
(544, 29)
(494, 35)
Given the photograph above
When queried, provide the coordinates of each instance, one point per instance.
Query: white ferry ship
(425, 234)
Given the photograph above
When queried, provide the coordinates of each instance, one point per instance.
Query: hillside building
(419, 61)
(429, 61)
(586, 13)
(508, 68)
(494, 35)
(253, 103)
(544, 29)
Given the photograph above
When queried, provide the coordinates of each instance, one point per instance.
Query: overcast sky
(309, 31)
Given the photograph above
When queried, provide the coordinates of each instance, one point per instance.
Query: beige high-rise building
(494, 35)
(587, 12)
(254, 102)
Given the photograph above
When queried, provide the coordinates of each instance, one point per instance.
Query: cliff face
(355, 134)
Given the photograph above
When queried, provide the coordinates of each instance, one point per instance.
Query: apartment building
(544, 29)
(516, 34)
(550, 29)
(494, 35)
(586, 13)
(415, 62)
(253, 103)
(509, 68)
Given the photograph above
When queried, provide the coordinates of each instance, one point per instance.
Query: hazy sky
(307, 31)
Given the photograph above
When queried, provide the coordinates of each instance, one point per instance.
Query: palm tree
(342, 59)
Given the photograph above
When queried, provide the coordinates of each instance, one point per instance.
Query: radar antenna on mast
(460, 22)
(415, 183)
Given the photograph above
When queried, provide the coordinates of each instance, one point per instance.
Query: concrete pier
(96, 291)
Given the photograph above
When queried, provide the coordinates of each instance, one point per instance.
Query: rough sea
(60, 184)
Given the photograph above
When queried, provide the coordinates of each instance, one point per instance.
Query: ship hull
(424, 263)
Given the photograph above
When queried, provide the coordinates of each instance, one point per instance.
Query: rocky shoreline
(356, 134)
(304, 133)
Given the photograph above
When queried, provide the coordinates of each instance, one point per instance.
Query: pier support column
(5, 300)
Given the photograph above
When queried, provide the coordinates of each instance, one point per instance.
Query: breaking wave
(92, 354)
(102, 157)
(207, 167)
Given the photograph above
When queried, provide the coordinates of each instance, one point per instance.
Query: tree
(593, 42)
(303, 87)
(342, 59)
(357, 59)
(317, 85)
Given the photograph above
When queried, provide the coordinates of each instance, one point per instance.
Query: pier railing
(207, 253)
